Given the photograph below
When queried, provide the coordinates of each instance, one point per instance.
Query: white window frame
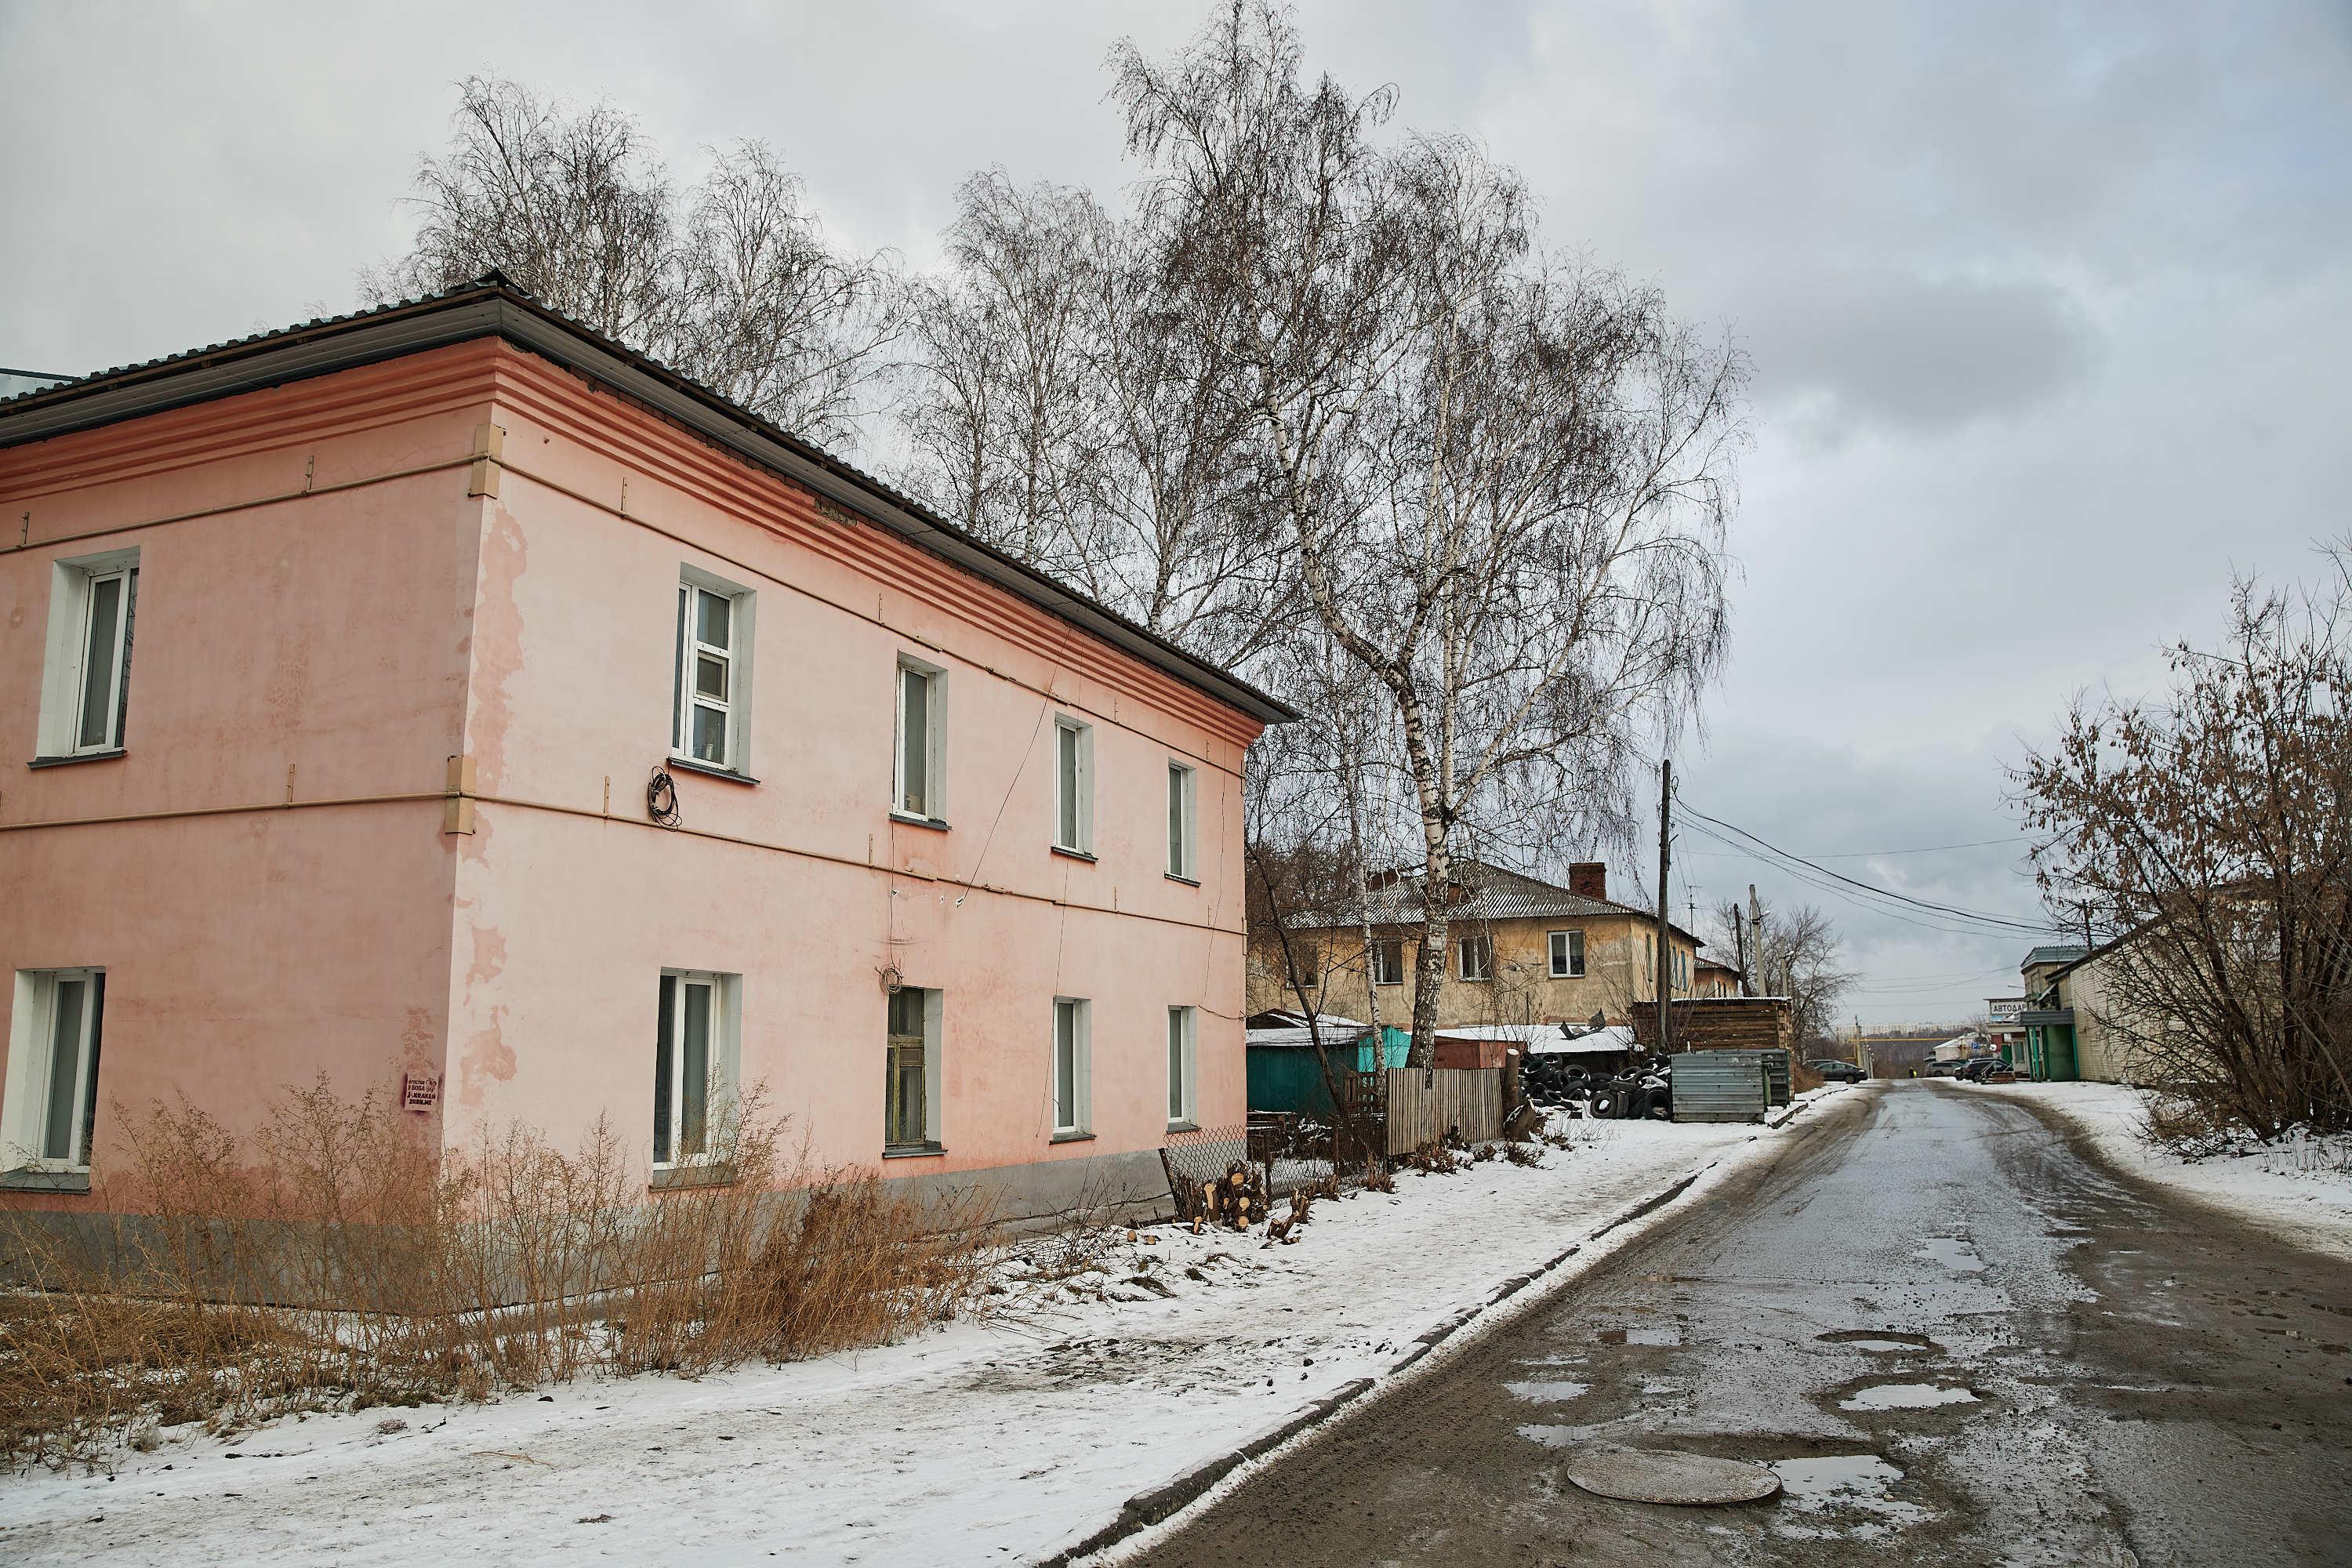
(32, 1070)
(932, 1141)
(1183, 1067)
(1183, 821)
(73, 585)
(1077, 813)
(1381, 973)
(935, 751)
(720, 1066)
(1565, 953)
(735, 658)
(1081, 1120)
(1462, 948)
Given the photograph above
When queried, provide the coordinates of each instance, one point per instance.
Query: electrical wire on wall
(661, 798)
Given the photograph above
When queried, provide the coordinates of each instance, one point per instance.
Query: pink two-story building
(449, 701)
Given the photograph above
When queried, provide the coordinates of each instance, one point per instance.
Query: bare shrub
(334, 1261)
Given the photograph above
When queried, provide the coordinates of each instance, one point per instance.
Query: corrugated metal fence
(1424, 1102)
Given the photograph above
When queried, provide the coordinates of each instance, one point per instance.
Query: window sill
(1069, 854)
(914, 1152)
(1187, 881)
(1183, 1127)
(32, 1181)
(678, 1178)
(105, 756)
(1074, 1137)
(911, 820)
(710, 770)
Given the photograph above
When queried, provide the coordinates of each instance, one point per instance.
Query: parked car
(1979, 1068)
(1837, 1071)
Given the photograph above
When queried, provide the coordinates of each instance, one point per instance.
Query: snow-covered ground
(996, 1441)
(2301, 1187)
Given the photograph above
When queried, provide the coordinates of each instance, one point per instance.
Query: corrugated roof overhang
(494, 308)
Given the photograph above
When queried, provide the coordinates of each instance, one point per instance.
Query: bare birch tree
(730, 282)
(1060, 412)
(1505, 481)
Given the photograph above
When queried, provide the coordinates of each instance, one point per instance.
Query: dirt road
(1956, 1336)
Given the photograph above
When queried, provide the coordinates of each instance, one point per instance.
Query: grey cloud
(1921, 352)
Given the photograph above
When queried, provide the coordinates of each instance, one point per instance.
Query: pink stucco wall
(321, 593)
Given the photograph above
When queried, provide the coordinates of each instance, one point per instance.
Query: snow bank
(2302, 1187)
(1000, 1441)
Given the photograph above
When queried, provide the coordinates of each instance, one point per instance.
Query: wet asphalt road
(2118, 1376)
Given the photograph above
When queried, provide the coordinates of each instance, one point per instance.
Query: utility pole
(1756, 915)
(1739, 941)
(1666, 945)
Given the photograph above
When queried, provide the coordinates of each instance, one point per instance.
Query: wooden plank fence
(1423, 1102)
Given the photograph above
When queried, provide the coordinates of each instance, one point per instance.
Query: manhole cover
(1669, 1476)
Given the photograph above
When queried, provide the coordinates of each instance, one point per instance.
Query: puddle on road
(1556, 1435)
(1906, 1396)
(1547, 1391)
(1839, 1482)
(1880, 1341)
(1668, 1334)
(1953, 1252)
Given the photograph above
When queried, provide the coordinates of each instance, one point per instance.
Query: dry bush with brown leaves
(332, 1261)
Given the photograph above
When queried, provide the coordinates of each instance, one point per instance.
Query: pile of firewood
(1235, 1200)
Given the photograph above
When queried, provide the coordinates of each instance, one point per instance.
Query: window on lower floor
(1184, 1066)
(1388, 962)
(910, 1114)
(1477, 957)
(1567, 954)
(694, 1063)
(1073, 1070)
(85, 691)
(55, 1025)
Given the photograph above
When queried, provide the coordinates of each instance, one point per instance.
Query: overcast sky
(2048, 305)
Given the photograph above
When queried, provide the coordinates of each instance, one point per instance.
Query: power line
(1949, 911)
(1922, 849)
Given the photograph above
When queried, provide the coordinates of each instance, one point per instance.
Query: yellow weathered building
(1519, 951)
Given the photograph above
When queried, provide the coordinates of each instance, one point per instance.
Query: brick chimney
(1588, 879)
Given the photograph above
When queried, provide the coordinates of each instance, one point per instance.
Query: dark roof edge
(495, 309)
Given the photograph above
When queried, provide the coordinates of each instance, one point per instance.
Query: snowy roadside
(2300, 1188)
(1001, 1441)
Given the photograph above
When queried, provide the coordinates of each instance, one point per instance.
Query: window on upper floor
(710, 684)
(1567, 954)
(920, 765)
(1184, 823)
(54, 1028)
(1387, 961)
(1074, 787)
(86, 679)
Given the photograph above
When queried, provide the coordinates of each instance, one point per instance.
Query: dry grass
(1803, 1079)
(334, 1262)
